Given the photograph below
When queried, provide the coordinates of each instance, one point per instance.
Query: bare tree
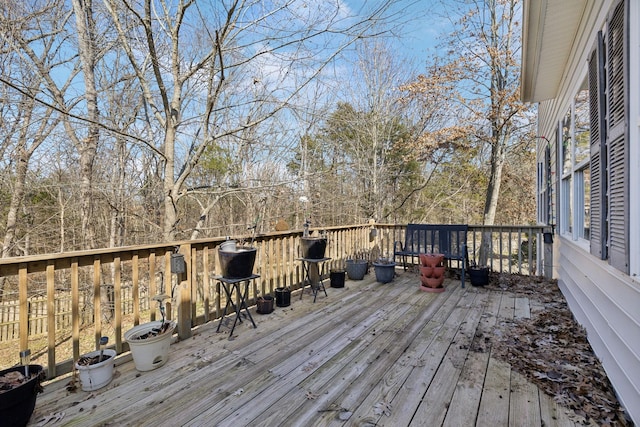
(479, 62)
(25, 123)
(206, 114)
(486, 45)
(44, 39)
(213, 73)
(87, 145)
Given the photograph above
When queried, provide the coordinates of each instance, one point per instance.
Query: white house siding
(603, 299)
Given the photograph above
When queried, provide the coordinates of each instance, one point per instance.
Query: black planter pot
(336, 278)
(479, 276)
(17, 405)
(313, 247)
(283, 297)
(237, 264)
(356, 268)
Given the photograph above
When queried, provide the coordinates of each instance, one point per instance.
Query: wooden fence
(39, 320)
(74, 290)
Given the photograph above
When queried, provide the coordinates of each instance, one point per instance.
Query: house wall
(603, 299)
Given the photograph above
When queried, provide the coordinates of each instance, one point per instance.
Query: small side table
(313, 272)
(235, 285)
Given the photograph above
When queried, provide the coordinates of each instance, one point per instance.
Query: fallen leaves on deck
(552, 351)
(50, 419)
(311, 396)
(382, 408)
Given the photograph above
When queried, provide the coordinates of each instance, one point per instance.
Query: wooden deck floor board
(429, 359)
(522, 309)
(395, 377)
(297, 373)
(294, 362)
(365, 354)
(314, 394)
(379, 380)
(524, 403)
(494, 403)
(435, 403)
(463, 408)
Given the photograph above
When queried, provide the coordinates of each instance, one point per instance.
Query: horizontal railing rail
(509, 248)
(65, 302)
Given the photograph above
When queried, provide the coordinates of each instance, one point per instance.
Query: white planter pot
(153, 352)
(98, 375)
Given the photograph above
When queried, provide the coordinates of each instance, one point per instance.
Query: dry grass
(10, 350)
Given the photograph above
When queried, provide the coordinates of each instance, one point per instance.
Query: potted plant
(431, 260)
(385, 270)
(236, 262)
(431, 272)
(149, 342)
(336, 277)
(95, 369)
(283, 296)
(264, 304)
(19, 387)
(356, 268)
(478, 276)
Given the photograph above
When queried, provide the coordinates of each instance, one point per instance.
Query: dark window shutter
(597, 108)
(617, 138)
(548, 185)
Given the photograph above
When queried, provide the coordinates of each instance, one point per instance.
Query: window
(566, 203)
(546, 206)
(576, 176)
(581, 173)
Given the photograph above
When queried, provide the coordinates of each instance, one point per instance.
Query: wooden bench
(447, 239)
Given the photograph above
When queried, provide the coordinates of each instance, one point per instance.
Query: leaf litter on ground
(551, 349)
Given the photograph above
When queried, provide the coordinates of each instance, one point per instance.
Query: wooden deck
(368, 354)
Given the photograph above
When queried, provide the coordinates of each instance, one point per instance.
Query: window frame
(574, 214)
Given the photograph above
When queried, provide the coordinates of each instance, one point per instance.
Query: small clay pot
(438, 271)
(426, 271)
(432, 282)
(431, 260)
(432, 290)
(264, 305)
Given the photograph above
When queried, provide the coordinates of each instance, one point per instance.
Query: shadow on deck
(368, 354)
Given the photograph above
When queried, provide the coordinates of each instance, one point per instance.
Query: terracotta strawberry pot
(432, 282)
(438, 271)
(431, 260)
(426, 271)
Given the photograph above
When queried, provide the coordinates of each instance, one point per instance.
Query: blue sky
(419, 26)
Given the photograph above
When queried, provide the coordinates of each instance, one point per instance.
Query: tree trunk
(89, 145)
(15, 203)
(170, 187)
(491, 201)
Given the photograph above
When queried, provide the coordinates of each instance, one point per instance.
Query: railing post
(548, 253)
(23, 307)
(184, 295)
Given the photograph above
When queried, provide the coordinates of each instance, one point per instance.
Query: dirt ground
(552, 351)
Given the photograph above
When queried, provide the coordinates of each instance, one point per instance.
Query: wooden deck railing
(110, 290)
